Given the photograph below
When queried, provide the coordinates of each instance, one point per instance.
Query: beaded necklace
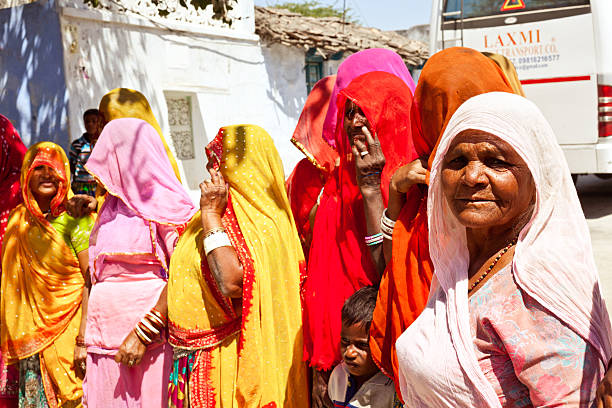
(495, 261)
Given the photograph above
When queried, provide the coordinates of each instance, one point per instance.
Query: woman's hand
(369, 163)
(406, 176)
(603, 397)
(81, 205)
(80, 361)
(131, 351)
(213, 198)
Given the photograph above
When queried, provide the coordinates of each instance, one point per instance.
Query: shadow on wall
(33, 94)
(285, 68)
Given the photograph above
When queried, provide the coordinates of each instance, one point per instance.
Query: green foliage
(220, 7)
(314, 8)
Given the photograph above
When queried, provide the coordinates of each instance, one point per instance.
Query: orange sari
(449, 78)
(42, 284)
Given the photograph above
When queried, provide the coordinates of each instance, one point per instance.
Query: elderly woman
(44, 261)
(515, 316)
(234, 292)
(449, 78)
(128, 360)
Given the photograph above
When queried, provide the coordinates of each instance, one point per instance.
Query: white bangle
(386, 225)
(216, 240)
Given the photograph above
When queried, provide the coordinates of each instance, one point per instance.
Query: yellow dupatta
(509, 70)
(42, 284)
(128, 103)
(262, 367)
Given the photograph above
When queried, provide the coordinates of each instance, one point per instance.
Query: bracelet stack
(215, 238)
(386, 226)
(373, 240)
(150, 327)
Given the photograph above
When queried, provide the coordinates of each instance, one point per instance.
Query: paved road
(596, 197)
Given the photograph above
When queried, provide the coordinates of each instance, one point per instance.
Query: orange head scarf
(340, 262)
(449, 78)
(42, 283)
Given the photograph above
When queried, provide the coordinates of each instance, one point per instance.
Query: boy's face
(355, 351)
(92, 124)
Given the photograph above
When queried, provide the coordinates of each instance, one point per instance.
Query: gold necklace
(495, 261)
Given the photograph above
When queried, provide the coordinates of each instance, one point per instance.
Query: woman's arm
(403, 179)
(369, 164)
(80, 351)
(604, 391)
(223, 261)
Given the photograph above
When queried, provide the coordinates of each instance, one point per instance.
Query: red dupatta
(309, 175)
(340, 262)
(449, 78)
(13, 151)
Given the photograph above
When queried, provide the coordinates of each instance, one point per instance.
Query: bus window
(483, 8)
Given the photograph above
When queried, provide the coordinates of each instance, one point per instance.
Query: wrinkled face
(354, 121)
(92, 124)
(485, 182)
(44, 182)
(355, 351)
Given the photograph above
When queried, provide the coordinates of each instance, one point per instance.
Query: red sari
(13, 151)
(449, 78)
(309, 175)
(340, 262)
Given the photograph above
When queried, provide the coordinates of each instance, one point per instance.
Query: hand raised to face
(369, 161)
(213, 194)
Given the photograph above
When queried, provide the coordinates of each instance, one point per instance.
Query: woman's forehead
(481, 137)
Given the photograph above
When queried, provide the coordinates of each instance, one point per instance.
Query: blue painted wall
(33, 92)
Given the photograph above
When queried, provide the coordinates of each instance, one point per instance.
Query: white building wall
(227, 74)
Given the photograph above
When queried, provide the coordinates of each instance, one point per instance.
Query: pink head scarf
(130, 161)
(372, 59)
(553, 261)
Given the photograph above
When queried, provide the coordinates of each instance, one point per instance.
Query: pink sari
(129, 253)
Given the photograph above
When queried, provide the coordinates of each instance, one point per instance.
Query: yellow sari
(128, 103)
(248, 355)
(42, 285)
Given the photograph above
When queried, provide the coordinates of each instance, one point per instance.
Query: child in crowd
(80, 149)
(356, 382)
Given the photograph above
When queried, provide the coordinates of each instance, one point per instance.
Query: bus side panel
(570, 107)
(555, 61)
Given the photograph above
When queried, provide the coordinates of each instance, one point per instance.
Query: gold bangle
(213, 231)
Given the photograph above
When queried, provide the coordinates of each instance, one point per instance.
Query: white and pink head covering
(553, 260)
(130, 161)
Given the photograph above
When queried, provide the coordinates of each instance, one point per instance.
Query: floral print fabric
(529, 356)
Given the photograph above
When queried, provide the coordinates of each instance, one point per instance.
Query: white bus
(562, 51)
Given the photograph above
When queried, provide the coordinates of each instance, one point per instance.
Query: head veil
(131, 163)
(128, 103)
(309, 175)
(340, 262)
(449, 78)
(553, 260)
(13, 151)
(370, 60)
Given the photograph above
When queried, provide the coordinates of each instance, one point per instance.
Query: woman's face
(485, 182)
(354, 121)
(44, 182)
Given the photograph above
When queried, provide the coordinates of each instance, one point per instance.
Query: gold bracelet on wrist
(213, 231)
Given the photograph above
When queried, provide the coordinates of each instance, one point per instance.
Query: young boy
(80, 149)
(356, 382)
